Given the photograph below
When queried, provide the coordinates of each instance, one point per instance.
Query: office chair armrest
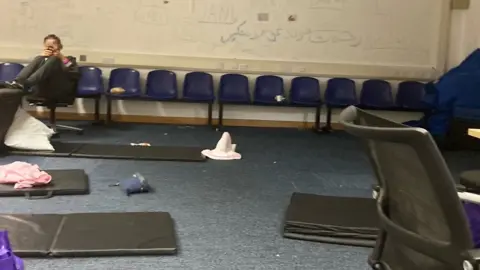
(375, 191)
(461, 188)
(461, 191)
(472, 260)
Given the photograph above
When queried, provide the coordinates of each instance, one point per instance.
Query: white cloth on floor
(224, 150)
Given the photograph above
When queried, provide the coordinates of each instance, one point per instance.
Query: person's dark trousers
(45, 77)
(30, 69)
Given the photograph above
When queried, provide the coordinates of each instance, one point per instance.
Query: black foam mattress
(91, 234)
(111, 151)
(329, 219)
(64, 182)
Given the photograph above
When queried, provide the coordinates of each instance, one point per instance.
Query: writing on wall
(309, 35)
(327, 4)
(215, 12)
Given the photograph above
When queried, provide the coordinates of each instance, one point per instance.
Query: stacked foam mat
(328, 219)
(91, 234)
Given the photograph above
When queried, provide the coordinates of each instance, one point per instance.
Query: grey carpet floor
(228, 215)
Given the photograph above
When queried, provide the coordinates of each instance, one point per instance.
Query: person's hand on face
(47, 52)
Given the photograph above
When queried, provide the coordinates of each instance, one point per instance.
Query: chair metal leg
(69, 128)
(328, 125)
(52, 119)
(109, 110)
(97, 109)
(97, 120)
(318, 110)
(53, 123)
(210, 111)
(220, 116)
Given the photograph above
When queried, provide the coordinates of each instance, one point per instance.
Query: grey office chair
(66, 99)
(423, 225)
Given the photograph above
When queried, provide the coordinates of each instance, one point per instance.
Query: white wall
(465, 36)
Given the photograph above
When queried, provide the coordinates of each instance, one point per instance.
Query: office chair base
(56, 128)
(98, 123)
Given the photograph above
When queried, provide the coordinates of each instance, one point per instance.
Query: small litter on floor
(140, 144)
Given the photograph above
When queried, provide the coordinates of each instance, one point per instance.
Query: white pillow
(28, 133)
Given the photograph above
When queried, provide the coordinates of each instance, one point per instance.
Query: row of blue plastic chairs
(161, 85)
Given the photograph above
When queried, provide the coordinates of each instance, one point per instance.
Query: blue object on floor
(136, 184)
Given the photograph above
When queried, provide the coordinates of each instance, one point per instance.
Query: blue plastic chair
(410, 96)
(129, 80)
(161, 85)
(234, 89)
(377, 94)
(126, 78)
(91, 86)
(8, 71)
(198, 87)
(340, 93)
(305, 92)
(267, 88)
(91, 82)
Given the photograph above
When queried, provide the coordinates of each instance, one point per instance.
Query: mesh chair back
(423, 225)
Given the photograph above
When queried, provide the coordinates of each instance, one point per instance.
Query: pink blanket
(23, 175)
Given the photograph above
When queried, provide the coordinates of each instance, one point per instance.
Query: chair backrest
(267, 87)
(341, 92)
(198, 86)
(91, 81)
(234, 88)
(126, 78)
(422, 222)
(162, 84)
(377, 94)
(8, 71)
(410, 95)
(305, 89)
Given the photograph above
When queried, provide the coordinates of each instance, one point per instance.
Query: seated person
(48, 73)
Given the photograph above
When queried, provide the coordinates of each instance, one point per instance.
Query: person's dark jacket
(59, 87)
